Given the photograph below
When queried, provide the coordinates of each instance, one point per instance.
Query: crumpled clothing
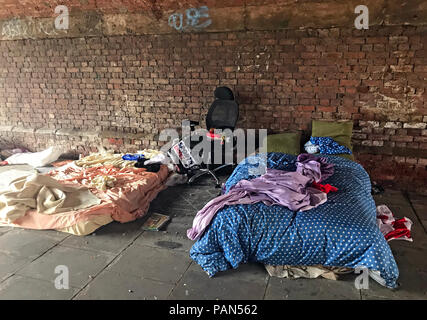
(102, 182)
(159, 158)
(314, 166)
(104, 159)
(276, 187)
(392, 228)
(150, 153)
(311, 272)
(47, 195)
(326, 188)
(36, 159)
(327, 145)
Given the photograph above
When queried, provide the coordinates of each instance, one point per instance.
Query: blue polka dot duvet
(341, 232)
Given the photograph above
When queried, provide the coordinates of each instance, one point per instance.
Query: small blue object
(133, 157)
(327, 145)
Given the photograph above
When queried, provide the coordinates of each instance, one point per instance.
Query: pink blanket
(128, 200)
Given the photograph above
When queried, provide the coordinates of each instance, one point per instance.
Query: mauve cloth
(313, 166)
(276, 187)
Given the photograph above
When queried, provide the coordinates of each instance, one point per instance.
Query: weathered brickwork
(120, 91)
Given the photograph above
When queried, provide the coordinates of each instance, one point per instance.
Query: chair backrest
(223, 93)
(223, 114)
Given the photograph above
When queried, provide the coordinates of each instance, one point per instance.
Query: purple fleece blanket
(276, 187)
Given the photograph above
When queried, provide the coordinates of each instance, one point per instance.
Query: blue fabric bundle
(133, 157)
(327, 145)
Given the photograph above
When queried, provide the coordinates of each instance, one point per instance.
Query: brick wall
(120, 91)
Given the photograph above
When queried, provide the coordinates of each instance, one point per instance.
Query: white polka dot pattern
(341, 232)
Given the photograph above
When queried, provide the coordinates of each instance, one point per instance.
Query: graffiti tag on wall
(29, 27)
(194, 19)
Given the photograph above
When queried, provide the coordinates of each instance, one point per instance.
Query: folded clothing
(327, 145)
(392, 228)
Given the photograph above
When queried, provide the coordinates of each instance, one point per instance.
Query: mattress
(342, 232)
(128, 199)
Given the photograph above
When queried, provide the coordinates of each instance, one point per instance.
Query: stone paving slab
(111, 285)
(248, 284)
(3, 230)
(9, 264)
(390, 197)
(112, 238)
(82, 265)
(312, 289)
(164, 239)
(25, 243)
(152, 263)
(24, 288)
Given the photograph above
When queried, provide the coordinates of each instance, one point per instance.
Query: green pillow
(340, 131)
(288, 142)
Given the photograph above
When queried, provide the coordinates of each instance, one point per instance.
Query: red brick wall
(131, 87)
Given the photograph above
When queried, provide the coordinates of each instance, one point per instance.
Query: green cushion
(288, 142)
(340, 131)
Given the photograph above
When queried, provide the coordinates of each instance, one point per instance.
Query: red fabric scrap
(326, 188)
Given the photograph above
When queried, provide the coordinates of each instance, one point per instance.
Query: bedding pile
(341, 232)
(292, 189)
(80, 196)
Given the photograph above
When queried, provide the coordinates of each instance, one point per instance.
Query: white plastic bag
(36, 159)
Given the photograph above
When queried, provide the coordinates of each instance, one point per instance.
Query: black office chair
(222, 114)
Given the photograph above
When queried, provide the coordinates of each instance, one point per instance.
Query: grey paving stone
(9, 264)
(51, 234)
(164, 239)
(25, 243)
(179, 225)
(421, 212)
(312, 289)
(24, 288)
(81, 264)
(111, 285)
(390, 197)
(254, 272)
(412, 277)
(417, 231)
(112, 238)
(246, 283)
(168, 200)
(3, 230)
(152, 263)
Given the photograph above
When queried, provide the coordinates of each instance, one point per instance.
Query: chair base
(202, 172)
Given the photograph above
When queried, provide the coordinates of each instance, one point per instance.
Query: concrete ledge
(80, 133)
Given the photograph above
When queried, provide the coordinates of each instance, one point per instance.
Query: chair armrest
(191, 123)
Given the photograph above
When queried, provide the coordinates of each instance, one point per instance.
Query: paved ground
(121, 261)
